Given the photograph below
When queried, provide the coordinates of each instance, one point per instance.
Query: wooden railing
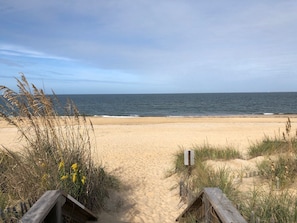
(54, 206)
(210, 206)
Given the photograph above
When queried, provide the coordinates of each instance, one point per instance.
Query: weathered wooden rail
(54, 206)
(212, 206)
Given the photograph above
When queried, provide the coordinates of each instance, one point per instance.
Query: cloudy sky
(150, 46)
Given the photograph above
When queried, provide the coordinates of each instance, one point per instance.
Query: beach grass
(281, 171)
(267, 146)
(259, 205)
(57, 149)
(207, 152)
(280, 163)
(283, 143)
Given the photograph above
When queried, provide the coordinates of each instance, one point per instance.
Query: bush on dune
(56, 152)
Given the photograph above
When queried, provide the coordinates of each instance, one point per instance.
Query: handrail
(53, 205)
(212, 204)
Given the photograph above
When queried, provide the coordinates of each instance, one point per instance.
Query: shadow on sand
(118, 207)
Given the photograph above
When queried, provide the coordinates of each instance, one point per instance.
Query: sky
(149, 46)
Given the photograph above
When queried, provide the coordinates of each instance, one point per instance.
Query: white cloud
(21, 51)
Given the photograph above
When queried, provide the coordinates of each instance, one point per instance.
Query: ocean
(184, 105)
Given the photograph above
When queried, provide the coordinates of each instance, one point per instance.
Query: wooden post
(189, 160)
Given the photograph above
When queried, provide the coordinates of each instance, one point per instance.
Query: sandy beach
(140, 151)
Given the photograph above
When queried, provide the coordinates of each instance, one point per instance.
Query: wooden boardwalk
(210, 206)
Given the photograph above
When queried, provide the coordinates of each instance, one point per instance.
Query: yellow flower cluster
(75, 175)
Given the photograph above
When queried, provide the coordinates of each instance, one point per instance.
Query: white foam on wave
(268, 113)
(119, 116)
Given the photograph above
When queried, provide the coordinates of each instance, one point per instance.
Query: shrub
(57, 148)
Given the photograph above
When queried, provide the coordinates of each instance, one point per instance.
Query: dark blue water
(221, 104)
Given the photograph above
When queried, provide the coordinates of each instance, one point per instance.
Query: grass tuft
(208, 152)
(279, 144)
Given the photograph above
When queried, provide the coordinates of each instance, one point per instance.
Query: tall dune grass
(283, 143)
(57, 146)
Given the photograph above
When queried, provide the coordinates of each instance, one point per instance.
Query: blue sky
(150, 46)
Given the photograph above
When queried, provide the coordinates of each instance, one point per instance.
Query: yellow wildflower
(61, 165)
(64, 177)
(83, 180)
(74, 167)
(74, 177)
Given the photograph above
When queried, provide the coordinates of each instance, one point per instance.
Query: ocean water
(163, 105)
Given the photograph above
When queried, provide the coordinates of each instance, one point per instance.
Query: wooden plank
(42, 207)
(223, 206)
